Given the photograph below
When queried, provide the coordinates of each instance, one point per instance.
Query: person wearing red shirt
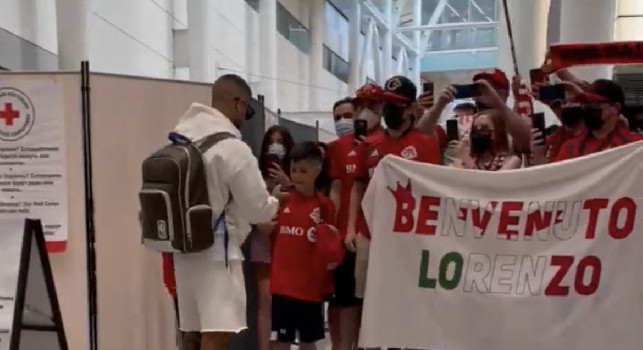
(605, 128)
(306, 244)
(400, 139)
(344, 308)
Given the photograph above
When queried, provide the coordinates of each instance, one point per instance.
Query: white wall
(33, 20)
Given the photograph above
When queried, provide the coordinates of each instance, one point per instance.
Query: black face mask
(593, 118)
(480, 140)
(570, 116)
(393, 116)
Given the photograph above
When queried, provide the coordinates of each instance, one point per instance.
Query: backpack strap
(209, 141)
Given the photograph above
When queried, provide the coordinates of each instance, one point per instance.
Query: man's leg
(344, 311)
(262, 275)
(190, 341)
(215, 340)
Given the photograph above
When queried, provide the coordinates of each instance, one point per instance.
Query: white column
(200, 30)
(629, 20)
(387, 47)
(417, 40)
(268, 52)
(315, 63)
(588, 21)
(529, 25)
(72, 18)
(354, 23)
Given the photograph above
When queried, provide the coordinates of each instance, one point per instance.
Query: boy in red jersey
(400, 139)
(344, 308)
(301, 259)
(605, 127)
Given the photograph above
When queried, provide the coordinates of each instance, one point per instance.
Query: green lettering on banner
(451, 258)
(425, 281)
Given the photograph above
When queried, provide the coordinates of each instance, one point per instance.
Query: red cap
(369, 93)
(589, 97)
(495, 77)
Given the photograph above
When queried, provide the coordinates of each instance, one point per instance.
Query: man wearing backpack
(210, 283)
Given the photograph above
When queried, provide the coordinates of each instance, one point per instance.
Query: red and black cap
(495, 77)
(369, 93)
(609, 90)
(400, 89)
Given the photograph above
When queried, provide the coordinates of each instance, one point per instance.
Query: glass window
(336, 30)
(292, 30)
(336, 65)
(254, 4)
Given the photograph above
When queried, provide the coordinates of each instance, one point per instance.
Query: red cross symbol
(8, 114)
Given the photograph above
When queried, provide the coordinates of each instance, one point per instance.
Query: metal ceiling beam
(380, 19)
(459, 25)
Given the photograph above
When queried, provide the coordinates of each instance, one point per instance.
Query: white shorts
(212, 297)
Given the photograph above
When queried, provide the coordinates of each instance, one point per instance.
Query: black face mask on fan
(480, 141)
(393, 116)
(593, 118)
(570, 116)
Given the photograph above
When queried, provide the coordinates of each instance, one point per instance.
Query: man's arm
(431, 115)
(247, 186)
(357, 194)
(334, 194)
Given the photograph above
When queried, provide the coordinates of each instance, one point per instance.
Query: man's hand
(266, 228)
(446, 96)
(281, 195)
(426, 100)
(538, 149)
(515, 85)
(489, 94)
(278, 175)
(350, 241)
(571, 89)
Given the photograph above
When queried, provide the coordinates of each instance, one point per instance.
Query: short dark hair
(465, 105)
(308, 150)
(232, 81)
(610, 90)
(343, 101)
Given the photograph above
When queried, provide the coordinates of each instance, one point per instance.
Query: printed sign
(33, 181)
(539, 258)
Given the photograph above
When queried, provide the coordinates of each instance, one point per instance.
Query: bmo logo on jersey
(291, 231)
(312, 234)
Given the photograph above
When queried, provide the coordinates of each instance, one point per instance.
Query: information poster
(33, 181)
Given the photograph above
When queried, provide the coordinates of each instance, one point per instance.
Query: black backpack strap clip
(178, 139)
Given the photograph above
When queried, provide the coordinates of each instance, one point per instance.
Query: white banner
(545, 258)
(33, 182)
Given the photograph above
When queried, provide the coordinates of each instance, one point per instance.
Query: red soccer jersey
(554, 142)
(441, 136)
(343, 159)
(586, 143)
(297, 271)
(413, 145)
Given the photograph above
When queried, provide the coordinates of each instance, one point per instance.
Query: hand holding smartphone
(550, 93)
(538, 122)
(360, 128)
(453, 134)
(428, 88)
(537, 76)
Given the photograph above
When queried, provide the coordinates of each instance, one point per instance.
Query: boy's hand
(282, 196)
(350, 242)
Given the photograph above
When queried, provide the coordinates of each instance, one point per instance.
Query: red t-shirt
(413, 145)
(441, 136)
(297, 272)
(343, 158)
(555, 141)
(586, 143)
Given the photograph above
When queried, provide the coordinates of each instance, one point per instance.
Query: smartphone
(551, 92)
(360, 128)
(428, 87)
(453, 134)
(538, 122)
(466, 91)
(269, 162)
(537, 76)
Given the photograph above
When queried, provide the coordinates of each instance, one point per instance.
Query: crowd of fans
(297, 268)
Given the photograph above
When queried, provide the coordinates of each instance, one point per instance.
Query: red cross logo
(8, 114)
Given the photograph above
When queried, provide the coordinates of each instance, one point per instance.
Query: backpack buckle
(177, 138)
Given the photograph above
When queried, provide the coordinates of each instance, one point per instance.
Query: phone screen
(538, 122)
(466, 91)
(269, 162)
(452, 130)
(360, 128)
(551, 92)
(428, 88)
(537, 76)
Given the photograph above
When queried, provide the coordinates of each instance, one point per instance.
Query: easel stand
(30, 316)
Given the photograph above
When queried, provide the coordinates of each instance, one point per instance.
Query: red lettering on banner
(564, 262)
(623, 204)
(426, 213)
(579, 284)
(404, 207)
(594, 206)
(508, 219)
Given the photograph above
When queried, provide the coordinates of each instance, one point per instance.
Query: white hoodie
(231, 168)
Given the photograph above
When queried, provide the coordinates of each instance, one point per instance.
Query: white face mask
(277, 149)
(343, 126)
(372, 119)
